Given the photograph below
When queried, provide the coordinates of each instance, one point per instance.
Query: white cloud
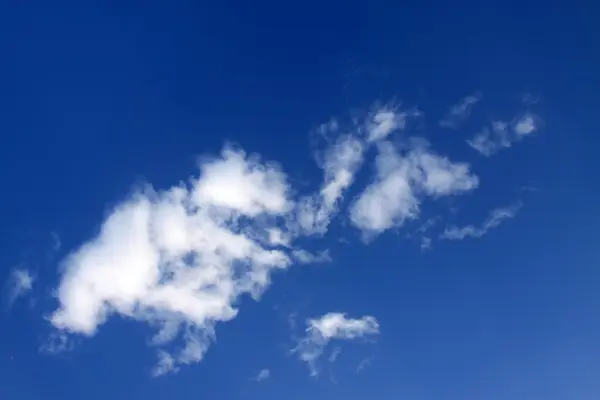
(342, 160)
(263, 375)
(502, 134)
(401, 181)
(180, 259)
(332, 326)
(306, 257)
(526, 125)
(496, 217)
(460, 112)
(19, 284)
(385, 121)
(340, 163)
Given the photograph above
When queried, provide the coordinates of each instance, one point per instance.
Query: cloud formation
(503, 134)
(341, 161)
(19, 284)
(460, 112)
(401, 182)
(263, 375)
(332, 326)
(495, 218)
(182, 259)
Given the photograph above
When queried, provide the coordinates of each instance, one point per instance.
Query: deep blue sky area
(100, 97)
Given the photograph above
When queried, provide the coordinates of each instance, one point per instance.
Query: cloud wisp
(332, 326)
(501, 135)
(401, 182)
(19, 284)
(460, 112)
(341, 161)
(494, 219)
(263, 375)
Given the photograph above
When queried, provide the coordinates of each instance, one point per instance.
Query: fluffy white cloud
(332, 326)
(496, 217)
(459, 112)
(401, 181)
(502, 134)
(18, 285)
(180, 259)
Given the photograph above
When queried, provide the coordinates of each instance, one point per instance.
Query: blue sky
(266, 200)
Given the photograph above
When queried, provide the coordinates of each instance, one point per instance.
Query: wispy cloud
(401, 181)
(306, 257)
(502, 134)
(362, 365)
(341, 161)
(387, 120)
(179, 259)
(332, 326)
(334, 354)
(460, 112)
(19, 284)
(425, 243)
(263, 375)
(495, 218)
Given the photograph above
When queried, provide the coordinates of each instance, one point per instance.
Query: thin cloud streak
(460, 112)
(495, 218)
(19, 284)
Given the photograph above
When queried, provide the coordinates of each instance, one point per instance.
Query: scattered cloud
(57, 342)
(340, 163)
(334, 354)
(401, 181)
(526, 125)
(263, 375)
(362, 365)
(502, 134)
(332, 326)
(342, 160)
(428, 224)
(387, 120)
(495, 218)
(19, 284)
(425, 243)
(460, 112)
(306, 257)
(182, 259)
